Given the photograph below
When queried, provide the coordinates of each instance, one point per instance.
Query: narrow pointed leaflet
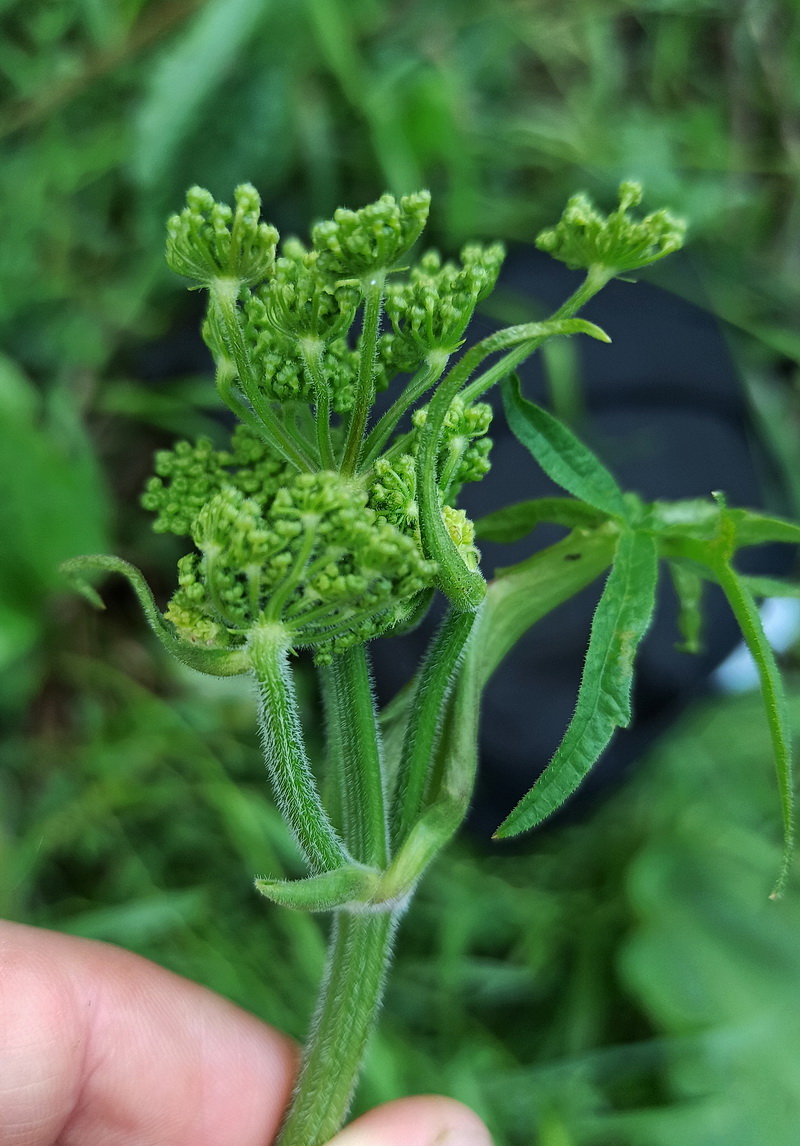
(621, 620)
(560, 454)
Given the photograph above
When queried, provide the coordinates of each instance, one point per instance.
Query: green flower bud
(316, 560)
(432, 309)
(274, 357)
(208, 241)
(463, 454)
(355, 243)
(586, 238)
(281, 371)
(255, 469)
(462, 531)
(302, 302)
(393, 493)
(187, 477)
(397, 355)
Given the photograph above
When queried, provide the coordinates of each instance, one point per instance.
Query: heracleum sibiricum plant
(323, 528)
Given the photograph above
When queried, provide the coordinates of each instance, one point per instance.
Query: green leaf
(353, 884)
(622, 618)
(757, 528)
(746, 612)
(516, 521)
(771, 586)
(561, 455)
(697, 517)
(688, 583)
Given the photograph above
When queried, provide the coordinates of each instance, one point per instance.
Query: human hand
(99, 1047)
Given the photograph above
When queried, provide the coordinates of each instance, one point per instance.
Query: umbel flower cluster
(310, 519)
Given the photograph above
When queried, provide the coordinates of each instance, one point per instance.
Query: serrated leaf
(622, 618)
(756, 528)
(564, 458)
(516, 521)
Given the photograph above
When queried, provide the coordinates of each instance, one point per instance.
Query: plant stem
(224, 294)
(436, 679)
(365, 384)
(746, 612)
(596, 278)
(311, 350)
(358, 956)
(425, 377)
(287, 764)
(350, 706)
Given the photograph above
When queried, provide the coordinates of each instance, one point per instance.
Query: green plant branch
(365, 383)
(311, 350)
(287, 764)
(434, 683)
(358, 958)
(224, 293)
(360, 783)
(426, 376)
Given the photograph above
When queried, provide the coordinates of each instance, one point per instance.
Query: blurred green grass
(626, 981)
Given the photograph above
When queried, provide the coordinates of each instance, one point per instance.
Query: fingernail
(462, 1137)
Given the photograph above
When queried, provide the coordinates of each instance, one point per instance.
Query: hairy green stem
(351, 708)
(365, 383)
(311, 350)
(224, 293)
(464, 587)
(424, 727)
(425, 377)
(358, 957)
(596, 278)
(226, 382)
(287, 763)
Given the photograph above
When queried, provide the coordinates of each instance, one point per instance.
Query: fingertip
(427, 1120)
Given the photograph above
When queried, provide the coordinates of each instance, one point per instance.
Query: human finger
(100, 1047)
(427, 1120)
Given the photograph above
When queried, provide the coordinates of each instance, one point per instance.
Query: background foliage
(622, 980)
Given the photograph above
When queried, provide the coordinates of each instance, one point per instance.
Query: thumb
(423, 1121)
